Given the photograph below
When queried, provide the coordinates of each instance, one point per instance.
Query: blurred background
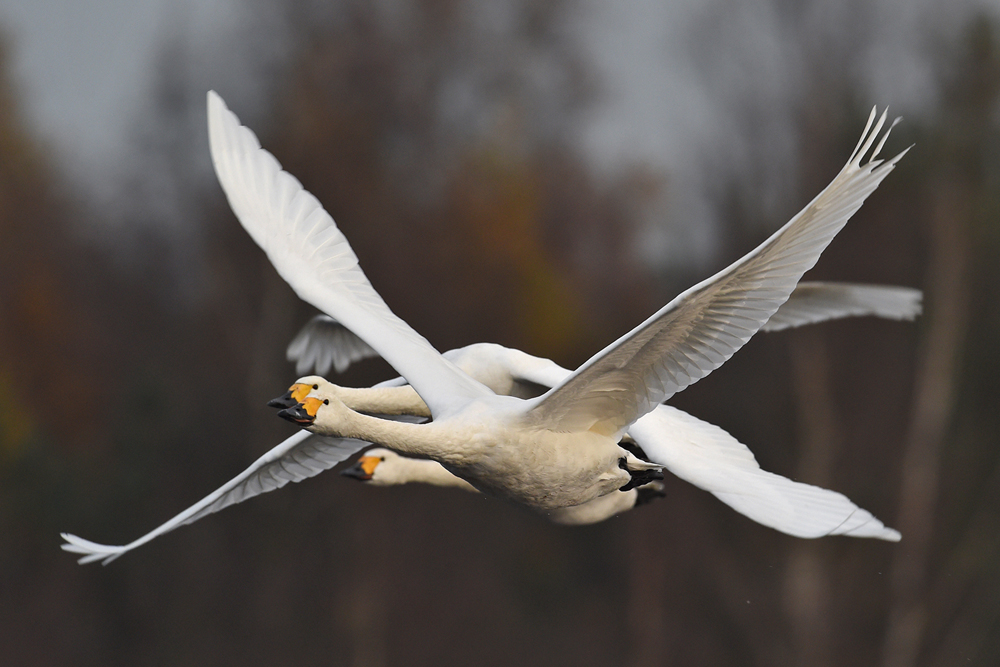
(542, 174)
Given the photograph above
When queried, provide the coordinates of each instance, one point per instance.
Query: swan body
(605, 507)
(384, 467)
(700, 453)
(561, 448)
(498, 448)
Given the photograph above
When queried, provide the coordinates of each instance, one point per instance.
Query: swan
(384, 467)
(324, 343)
(695, 451)
(557, 450)
(560, 449)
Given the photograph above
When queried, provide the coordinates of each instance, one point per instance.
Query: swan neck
(421, 440)
(384, 401)
(427, 471)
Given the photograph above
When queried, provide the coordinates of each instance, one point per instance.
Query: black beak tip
(297, 415)
(356, 472)
(285, 401)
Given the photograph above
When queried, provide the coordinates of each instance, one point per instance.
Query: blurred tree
(438, 134)
(37, 318)
(963, 209)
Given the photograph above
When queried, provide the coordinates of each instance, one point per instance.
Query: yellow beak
(295, 395)
(304, 413)
(363, 469)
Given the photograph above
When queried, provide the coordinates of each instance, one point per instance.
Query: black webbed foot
(640, 477)
(649, 493)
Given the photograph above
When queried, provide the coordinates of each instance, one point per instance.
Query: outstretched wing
(818, 302)
(711, 459)
(313, 256)
(324, 343)
(297, 458)
(700, 329)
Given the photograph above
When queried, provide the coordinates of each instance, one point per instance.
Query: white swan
(555, 451)
(560, 449)
(384, 467)
(324, 343)
(695, 451)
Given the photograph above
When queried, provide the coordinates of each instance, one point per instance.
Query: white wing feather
(711, 459)
(700, 329)
(324, 343)
(297, 458)
(818, 302)
(313, 256)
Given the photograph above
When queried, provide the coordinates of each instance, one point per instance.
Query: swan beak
(363, 469)
(295, 395)
(304, 413)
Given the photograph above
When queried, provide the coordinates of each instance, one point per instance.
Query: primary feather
(702, 327)
(309, 251)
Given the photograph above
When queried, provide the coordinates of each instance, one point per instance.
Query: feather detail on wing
(325, 343)
(818, 302)
(701, 328)
(711, 459)
(297, 458)
(313, 256)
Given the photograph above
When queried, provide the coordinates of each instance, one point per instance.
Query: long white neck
(404, 470)
(421, 440)
(384, 400)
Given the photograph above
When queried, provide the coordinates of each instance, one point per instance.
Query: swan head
(304, 413)
(297, 392)
(376, 467)
(314, 393)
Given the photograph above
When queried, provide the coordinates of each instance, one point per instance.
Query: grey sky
(672, 75)
(83, 66)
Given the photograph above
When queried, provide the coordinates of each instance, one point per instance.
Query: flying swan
(384, 467)
(560, 449)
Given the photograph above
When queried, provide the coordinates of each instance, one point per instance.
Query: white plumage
(384, 467)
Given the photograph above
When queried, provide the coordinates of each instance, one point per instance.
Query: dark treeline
(121, 404)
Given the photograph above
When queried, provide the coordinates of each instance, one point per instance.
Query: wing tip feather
(92, 551)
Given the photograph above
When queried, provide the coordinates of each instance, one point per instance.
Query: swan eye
(315, 386)
(326, 401)
(381, 458)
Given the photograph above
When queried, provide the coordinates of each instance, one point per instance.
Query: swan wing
(313, 256)
(711, 459)
(301, 456)
(818, 302)
(324, 343)
(702, 327)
